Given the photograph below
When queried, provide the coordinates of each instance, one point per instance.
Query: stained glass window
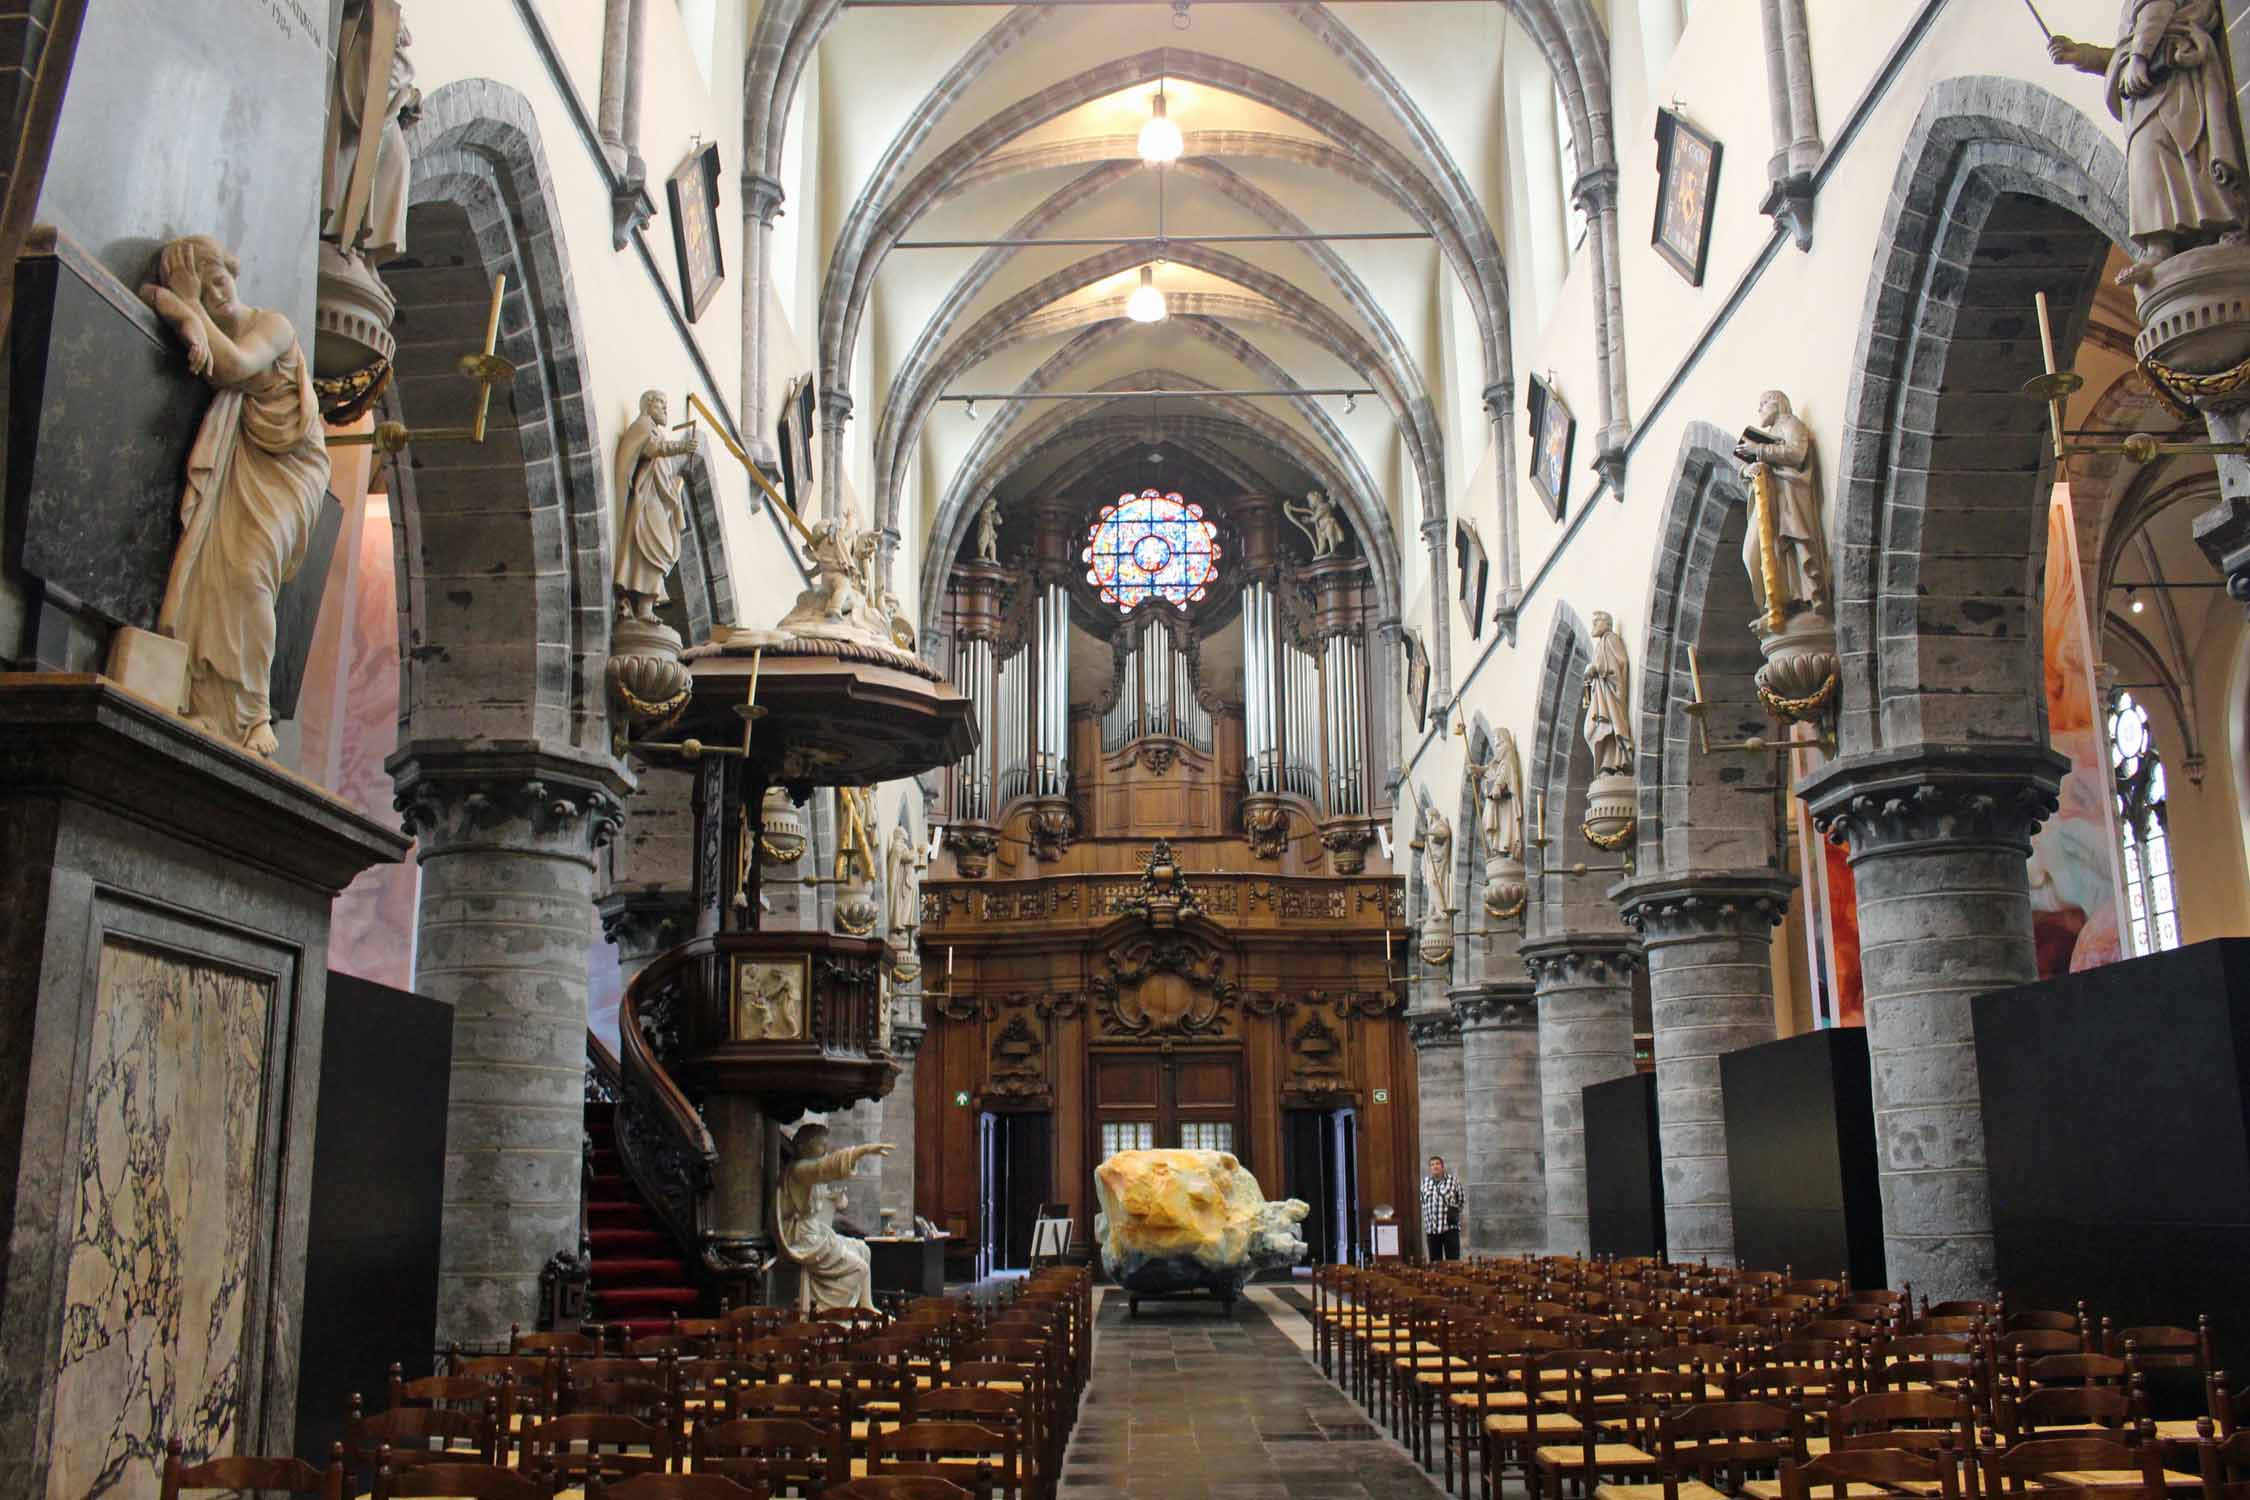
(2151, 899)
(1151, 546)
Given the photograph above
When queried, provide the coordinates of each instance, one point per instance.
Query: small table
(913, 1266)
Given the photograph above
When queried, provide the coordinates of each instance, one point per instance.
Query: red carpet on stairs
(639, 1280)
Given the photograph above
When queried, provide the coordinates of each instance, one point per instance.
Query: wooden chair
(898, 1487)
(419, 1435)
(2091, 1466)
(984, 1460)
(1619, 1420)
(1868, 1473)
(1005, 1411)
(2223, 1463)
(1709, 1451)
(1924, 1422)
(773, 1454)
(672, 1487)
(440, 1481)
(291, 1476)
(571, 1345)
(2055, 1411)
(579, 1447)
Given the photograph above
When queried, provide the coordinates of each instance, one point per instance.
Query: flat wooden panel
(1125, 1083)
(1208, 1081)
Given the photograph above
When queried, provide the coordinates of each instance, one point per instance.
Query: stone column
(1708, 938)
(835, 415)
(1797, 148)
(1595, 193)
(1502, 1173)
(1441, 618)
(1500, 411)
(617, 115)
(1938, 838)
(1585, 990)
(898, 1117)
(507, 857)
(1437, 1089)
(761, 205)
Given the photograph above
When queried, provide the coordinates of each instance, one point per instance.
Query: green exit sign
(1382, 1096)
(961, 1098)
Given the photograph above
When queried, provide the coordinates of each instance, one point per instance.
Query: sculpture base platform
(162, 997)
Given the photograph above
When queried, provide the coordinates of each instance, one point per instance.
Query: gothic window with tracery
(2151, 898)
(1151, 546)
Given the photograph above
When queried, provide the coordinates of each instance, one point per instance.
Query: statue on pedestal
(1437, 859)
(371, 102)
(255, 481)
(2167, 78)
(839, 604)
(988, 530)
(835, 1270)
(651, 507)
(1605, 702)
(1316, 517)
(1500, 786)
(1785, 548)
(903, 890)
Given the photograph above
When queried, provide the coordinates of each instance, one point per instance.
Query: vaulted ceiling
(944, 129)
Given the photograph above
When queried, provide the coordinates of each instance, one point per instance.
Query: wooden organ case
(1160, 915)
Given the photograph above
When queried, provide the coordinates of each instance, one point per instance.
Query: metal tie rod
(1080, 241)
(997, 397)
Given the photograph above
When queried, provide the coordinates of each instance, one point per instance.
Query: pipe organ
(1159, 911)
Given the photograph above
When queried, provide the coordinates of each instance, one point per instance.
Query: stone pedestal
(1938, 839)
(1708, 938)
(164, 971)
(1502, 1173)
(1585, 996)
(507, 859)
(1438, 1086)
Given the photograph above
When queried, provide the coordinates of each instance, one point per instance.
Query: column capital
(836, 404)
(1495, 1007)
(1433, 532)
(1958, 795)
(1595, 191)
(1499, 399)
(762, 198)
(1582, 957)
(646, 920)
(1669, 908)
(531, 800)
(2223, 532)
(906, 1041)
(1432, 1029)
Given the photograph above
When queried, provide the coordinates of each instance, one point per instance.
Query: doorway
(1016, 1163)
(1320, 1149)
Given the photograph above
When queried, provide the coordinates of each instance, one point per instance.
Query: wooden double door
(1144, 1099)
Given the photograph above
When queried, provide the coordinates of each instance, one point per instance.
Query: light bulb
(1146, 305)
(2139, 605)
(1160, 138)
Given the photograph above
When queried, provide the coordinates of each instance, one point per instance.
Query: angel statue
(839, 604)
(652, 507)
(255, 481)
(834, 1270)
(1501, 789)
(1316, 517)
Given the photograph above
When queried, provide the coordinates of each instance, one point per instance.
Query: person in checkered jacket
(1441, 1211)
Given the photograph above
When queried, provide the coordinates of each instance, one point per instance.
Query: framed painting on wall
(1553, 431)
(1687, 179)
(1418, 679)
(693, 194)
(1476, 572)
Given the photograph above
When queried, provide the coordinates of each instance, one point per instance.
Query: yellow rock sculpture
(1179, 1220)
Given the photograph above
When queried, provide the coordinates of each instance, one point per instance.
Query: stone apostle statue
(1501, 788)
(988, 530)
(369, 107)
(835, 1270)
(1316, 517)
(1606, 701)
(1786, 494)
(1437, 859)
(903, 886)
(652, 507)
(2183, 147)
(255, 480)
